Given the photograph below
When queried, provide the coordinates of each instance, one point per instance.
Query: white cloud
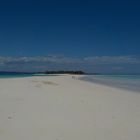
(112, 59)
(60, 59)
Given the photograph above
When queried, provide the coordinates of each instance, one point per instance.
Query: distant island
(46, 72)
(65, 72)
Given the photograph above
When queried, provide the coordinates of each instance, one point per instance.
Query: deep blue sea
(128, 82)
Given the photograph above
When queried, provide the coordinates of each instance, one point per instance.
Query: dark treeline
(46, 72)
(64, 72)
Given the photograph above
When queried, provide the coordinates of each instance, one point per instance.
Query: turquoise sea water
(20, 75)
(128, 82)
(14, 75)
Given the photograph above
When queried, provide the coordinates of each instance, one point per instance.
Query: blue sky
(70, 34)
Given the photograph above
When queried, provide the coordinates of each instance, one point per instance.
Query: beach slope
(65, 108)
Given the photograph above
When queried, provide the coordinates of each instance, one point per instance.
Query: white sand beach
(65, 108)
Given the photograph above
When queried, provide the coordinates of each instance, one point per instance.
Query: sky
(99, 36)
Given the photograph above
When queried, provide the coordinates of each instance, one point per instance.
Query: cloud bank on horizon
(95, 64)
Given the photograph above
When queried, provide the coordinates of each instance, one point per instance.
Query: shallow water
(14, 75)
(20, 75)
(128, 82)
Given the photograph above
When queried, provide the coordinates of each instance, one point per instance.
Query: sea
(19, 75)
(127, 82)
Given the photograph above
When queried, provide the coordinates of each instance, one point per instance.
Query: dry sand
(65, 108)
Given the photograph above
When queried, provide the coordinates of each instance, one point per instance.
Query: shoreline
(128, 85)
